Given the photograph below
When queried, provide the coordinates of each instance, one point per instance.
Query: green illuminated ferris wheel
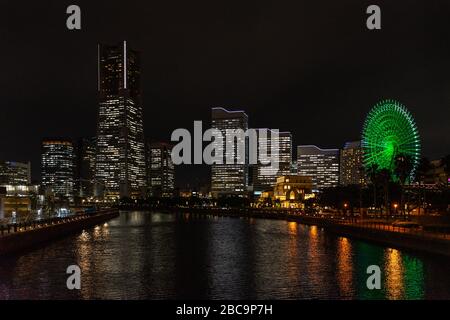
(390, 131)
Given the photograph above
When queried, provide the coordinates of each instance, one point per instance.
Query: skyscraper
(265, 175)
(15, 173)
(58, 167)
(351, 165)
(294, 167)
(320, 164)
(15, 188)
(285, 153)
(85, 154)
(161, 171)
(227, 178)
(120, 163)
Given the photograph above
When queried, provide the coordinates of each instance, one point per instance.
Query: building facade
(291, 190)
(265, 175)
(85, 154)
(15, 173)
(16, 191)
(351, 170)
(120, 163)
(294, 167)
(322, 165)
(58, 167)
(161, 171)
(229, 178)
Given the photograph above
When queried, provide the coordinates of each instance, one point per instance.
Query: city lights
(222, 156)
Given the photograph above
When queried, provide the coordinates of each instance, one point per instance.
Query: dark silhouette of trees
(402, 170)
(372, 174)
(421, 174)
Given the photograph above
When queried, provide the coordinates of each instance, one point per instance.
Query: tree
(422, 171)
(446, 164)
(372, 173)
(384, 175)
(402, 170)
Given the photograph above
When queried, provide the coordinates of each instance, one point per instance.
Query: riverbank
(22, 237)
(368, 230)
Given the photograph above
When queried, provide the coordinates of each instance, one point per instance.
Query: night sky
(311, 67)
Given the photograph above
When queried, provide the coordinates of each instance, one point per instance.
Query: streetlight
(345, 208)
(395, 207)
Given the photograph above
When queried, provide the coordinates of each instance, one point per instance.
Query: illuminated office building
(285, 153)
(120, 163)
(322, 165)
(265, 175)
(15, 188)
(15, 173)
(161, 171)
(229, 179)
(85, 153)
(351, 164)
(294, 167)
(58, 167)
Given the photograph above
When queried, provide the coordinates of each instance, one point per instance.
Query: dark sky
(310, 67)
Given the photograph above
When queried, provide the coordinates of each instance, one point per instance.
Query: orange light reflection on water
(344, 267)
(394, 275)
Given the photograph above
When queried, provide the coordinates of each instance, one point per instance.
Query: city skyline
(303, 71)
(232, 158)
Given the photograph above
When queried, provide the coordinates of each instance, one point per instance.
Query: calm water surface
(157, 256)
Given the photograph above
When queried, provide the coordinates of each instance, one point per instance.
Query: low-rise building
(291, 190)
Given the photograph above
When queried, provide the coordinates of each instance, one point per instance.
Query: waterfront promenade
(23, 235)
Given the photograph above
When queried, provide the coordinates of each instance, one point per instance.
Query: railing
(10, 228)
(385, 226)
(335, 219)
(382, 225)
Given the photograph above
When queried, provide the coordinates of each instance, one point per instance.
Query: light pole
(395, 207)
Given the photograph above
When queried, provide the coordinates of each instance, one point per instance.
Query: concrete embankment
(383, 234)
(401, 240)
(32, 237)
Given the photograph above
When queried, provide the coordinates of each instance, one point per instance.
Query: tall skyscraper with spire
(120, 164)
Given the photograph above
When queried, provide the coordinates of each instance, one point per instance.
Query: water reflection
(344, 267)
(314, 262)
(293, 256)
(394, 275)
(154, 256)
(413, 277)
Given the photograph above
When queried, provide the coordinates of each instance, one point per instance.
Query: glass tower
(120, 163)
(265, 175)
(351, 170)
(229, 178)
(85, 154)
(15, 173)
(58, 167)
(161, 171)
(322, 165)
